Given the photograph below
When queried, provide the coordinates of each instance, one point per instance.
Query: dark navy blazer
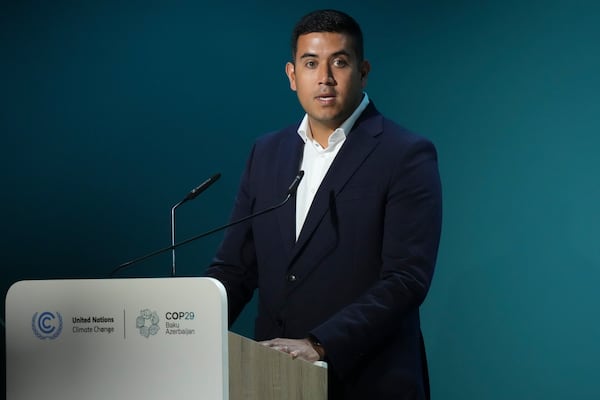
(363, 262)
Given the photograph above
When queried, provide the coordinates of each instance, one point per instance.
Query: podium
(150, 338)
(257, 372)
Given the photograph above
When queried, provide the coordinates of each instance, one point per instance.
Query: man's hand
(297, 348)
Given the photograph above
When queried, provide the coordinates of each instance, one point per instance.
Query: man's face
(327, 78)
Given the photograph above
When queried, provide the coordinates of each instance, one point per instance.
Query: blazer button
(292, 278)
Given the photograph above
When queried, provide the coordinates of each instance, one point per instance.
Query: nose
(326, 75)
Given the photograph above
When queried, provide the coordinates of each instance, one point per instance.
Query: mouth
(325, 99)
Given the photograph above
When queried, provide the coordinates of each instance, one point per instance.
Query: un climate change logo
(147, 323)
(47, 325)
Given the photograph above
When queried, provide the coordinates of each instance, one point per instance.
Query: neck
(321, 133)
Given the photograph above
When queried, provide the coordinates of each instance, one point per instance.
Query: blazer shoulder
(388, 130)
(395, 140)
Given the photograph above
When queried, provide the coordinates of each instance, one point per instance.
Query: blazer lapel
(289, 156)
(359, 144)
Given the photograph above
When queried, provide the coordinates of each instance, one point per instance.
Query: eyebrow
(337, 53)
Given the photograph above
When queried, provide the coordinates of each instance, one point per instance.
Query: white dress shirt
(316, 161)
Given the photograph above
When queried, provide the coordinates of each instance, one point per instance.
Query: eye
(310, 64)
(340, 62)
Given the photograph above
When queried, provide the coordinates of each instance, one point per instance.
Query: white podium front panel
(112, 339)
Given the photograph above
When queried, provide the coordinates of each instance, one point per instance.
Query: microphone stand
(173, 234)
(190, 196)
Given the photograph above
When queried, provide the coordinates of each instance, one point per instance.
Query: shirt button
(292, 278)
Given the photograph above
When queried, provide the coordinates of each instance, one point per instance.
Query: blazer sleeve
(235, 261)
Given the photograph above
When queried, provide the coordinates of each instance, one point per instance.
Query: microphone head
(202, 187)
(294, 186)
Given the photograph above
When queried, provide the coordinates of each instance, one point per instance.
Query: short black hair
(329, 21)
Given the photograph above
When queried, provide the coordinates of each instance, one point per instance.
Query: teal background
(112, 111)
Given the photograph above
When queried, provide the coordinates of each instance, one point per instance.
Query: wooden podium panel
(257, 372)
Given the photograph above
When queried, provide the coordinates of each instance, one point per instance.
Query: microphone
(290, 192)
(294, 186)
(201, 188)
(190, 196)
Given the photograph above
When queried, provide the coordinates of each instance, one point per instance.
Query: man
(342, 270)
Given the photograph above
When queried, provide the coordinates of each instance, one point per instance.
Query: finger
(279, 347)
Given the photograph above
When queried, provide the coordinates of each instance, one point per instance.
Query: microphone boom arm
(290, 193)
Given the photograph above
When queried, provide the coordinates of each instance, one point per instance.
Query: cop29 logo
(147, 323)
(47, 325)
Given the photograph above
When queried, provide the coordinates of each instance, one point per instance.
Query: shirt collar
(341, 132)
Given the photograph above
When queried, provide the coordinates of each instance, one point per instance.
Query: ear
(290, 71)
(365, 68)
